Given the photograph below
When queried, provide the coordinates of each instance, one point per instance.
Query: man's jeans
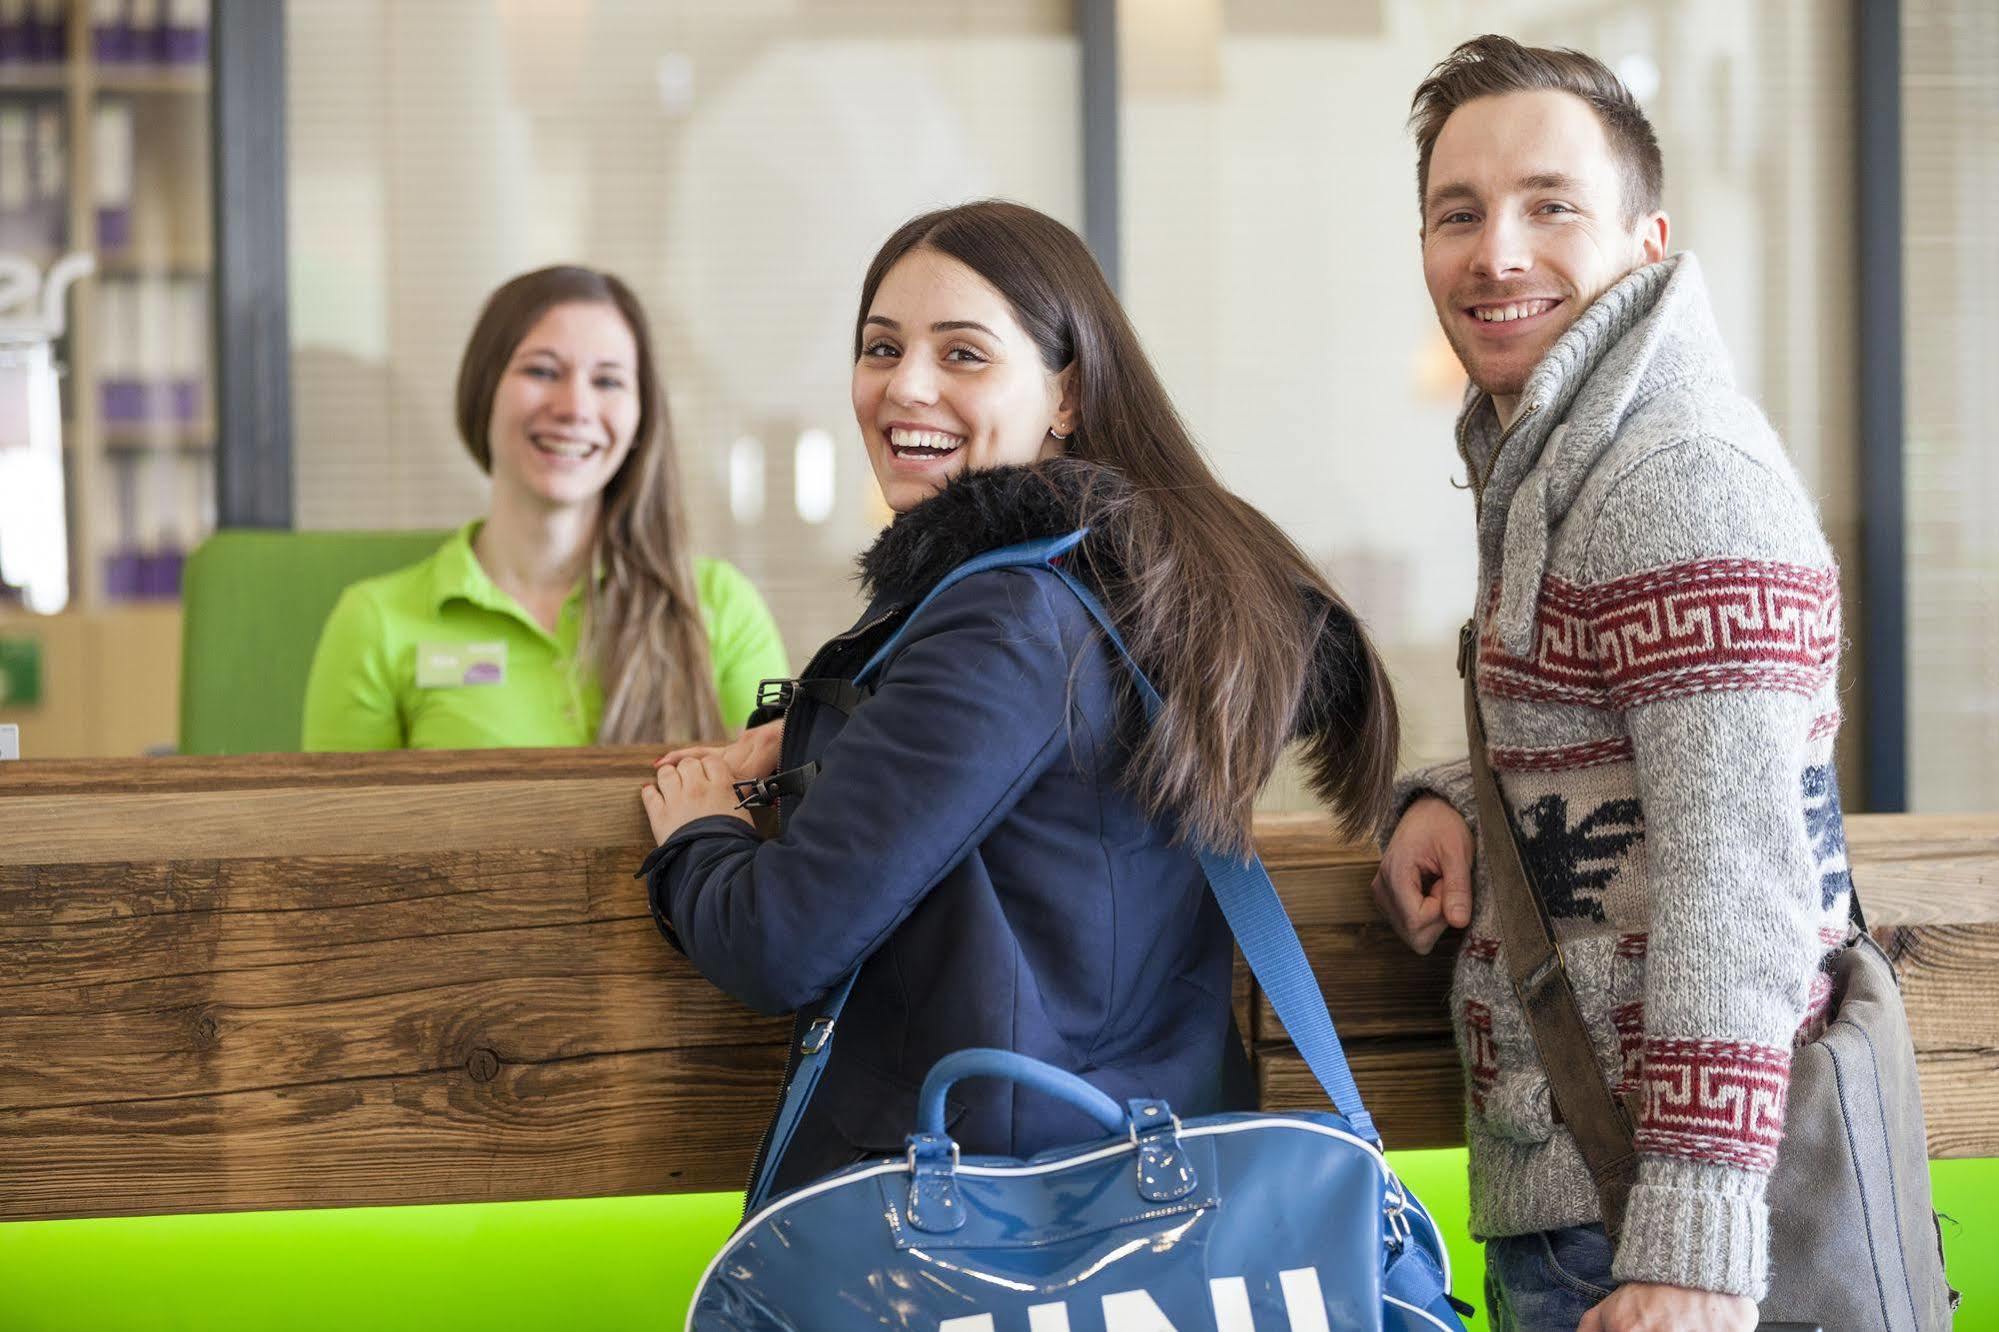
(1548, 1280)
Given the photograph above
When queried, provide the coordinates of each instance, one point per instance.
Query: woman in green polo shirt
(572, 613)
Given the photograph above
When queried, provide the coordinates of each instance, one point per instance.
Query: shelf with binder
(147, 363)
(123, 264)
(154, 82)
(151, 178)
(156, 426)
(194, 442)
(34, 178)
(150, 368)
(104, 148)
(159, 504)
(34, 38)
(33, 78)
(126, 34)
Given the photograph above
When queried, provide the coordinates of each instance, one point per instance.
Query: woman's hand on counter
(751, 755)
(700, 784)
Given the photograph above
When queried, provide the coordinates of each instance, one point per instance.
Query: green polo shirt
(435, 656)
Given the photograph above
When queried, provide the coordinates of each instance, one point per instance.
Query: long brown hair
(646, 632)
(1215, 601)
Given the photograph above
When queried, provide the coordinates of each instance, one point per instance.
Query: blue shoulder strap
(1029, 553)
(1262, 928)
(1248, 900)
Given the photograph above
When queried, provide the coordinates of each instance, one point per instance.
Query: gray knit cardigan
(1658, 636)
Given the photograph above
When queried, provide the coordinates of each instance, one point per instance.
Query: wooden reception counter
(307, 980)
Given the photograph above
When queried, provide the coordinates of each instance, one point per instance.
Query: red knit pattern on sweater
(1689, 628)
(1483, 1058)
(1720, 1101)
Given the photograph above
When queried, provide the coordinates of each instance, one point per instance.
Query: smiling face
(948, 381)
(1523, 228)
(567, 406)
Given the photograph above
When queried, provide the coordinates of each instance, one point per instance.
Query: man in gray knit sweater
(1657, 637)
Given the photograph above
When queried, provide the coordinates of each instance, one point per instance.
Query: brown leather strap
(1584, 1102)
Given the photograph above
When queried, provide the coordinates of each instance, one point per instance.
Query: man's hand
(1424, 884)
(753, 754)
(697, 786)
(1643, 1307)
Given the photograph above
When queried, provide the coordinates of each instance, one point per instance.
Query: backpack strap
(1243, 888)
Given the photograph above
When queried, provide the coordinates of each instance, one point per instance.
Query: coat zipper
(786, 756)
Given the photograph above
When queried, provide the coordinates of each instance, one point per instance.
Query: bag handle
(1591, 1112)
(1248, 899)
(984, 1063)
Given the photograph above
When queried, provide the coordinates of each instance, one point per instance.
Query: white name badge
(452, 665)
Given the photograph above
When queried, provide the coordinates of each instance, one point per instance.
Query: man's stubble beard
(1512, 385)
(1504, 388)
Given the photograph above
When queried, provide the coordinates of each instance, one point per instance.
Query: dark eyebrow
(613, 362)
(941, 326)
(1552, 180)
(1455, 191)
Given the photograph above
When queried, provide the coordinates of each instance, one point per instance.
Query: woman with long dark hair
(573, 612)
(995, 832)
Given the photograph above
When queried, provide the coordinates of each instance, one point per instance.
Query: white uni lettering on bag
(1137, 1311)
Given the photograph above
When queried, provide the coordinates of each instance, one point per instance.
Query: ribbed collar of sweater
(1654, 328)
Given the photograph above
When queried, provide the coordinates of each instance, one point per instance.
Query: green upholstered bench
(254, 602)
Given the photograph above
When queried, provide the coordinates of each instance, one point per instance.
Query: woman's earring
(1062, 435)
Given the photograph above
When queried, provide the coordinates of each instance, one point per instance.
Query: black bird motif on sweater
(1573, 865)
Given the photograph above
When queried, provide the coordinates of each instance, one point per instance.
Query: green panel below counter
(591, 1263)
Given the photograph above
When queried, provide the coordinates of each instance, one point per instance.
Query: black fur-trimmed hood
(1004, 506)
(986, 510)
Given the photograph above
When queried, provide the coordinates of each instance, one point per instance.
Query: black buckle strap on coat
(1583, 1101)
(776, 696)
(763, 792)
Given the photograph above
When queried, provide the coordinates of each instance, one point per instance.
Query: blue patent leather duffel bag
(1246, 1222)
(1229, 1223)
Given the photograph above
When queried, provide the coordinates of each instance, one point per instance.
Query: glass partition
(737, 164)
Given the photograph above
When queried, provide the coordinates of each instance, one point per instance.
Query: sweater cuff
(1449, 781)
(1702, 1226)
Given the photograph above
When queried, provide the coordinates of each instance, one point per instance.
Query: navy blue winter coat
(967, 835)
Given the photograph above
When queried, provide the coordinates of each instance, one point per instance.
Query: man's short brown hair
(1490, 65)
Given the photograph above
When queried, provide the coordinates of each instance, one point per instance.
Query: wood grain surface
(291, 981)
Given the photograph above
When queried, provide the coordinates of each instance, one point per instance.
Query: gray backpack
(1854, 1243)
